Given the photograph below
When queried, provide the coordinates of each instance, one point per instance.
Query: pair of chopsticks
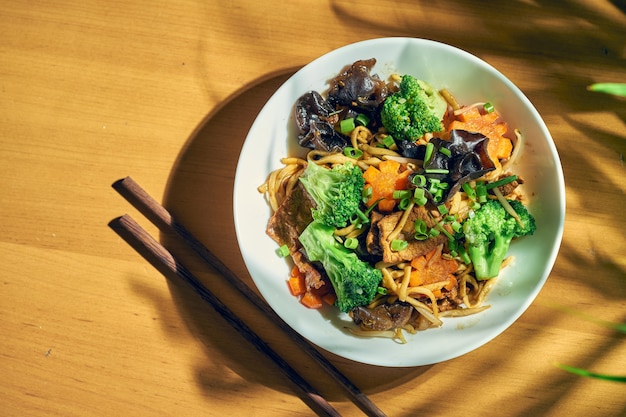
(167, 264)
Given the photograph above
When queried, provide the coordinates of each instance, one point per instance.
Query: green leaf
(589, 374)
(618, 89)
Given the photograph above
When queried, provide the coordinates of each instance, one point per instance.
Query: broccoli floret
(354, 280)
(488, 234)
(414, 110)
(337, 192)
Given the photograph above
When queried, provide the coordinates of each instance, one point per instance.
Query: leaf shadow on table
(200, 195)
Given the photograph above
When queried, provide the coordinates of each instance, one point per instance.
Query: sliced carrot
(490, 125)
(427, 270)
(297, 286)
(296, 282)
(295, 272)
(383, 181)
(311, 300)
(329, 298)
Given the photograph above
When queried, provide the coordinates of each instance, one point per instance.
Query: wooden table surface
(92, 91)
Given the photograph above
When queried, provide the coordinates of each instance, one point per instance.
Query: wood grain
(91, 92)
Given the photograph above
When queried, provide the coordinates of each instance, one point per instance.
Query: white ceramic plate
(470, 79)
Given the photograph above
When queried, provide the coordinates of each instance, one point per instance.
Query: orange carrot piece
(295, 272)
(297, 286)
(329, 298)
(311, 300)
(425, 270)
(383, 181)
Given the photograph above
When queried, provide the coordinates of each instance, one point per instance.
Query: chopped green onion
(400, 194)
(442, 209)
(438, 196)
(445, 151)
(398, 245)
(351, 152)
(362, 119)
(351, 243)
(381, 290)
(367, 194)
(404, 203)
(475, 205)
(433, 186)
(421, 229)
(430, 147)
(618, 89)
(388, 141)
(419, 180)
(481, 192)
(436, 171)
(282, 251)
(501, 182)
(444, 231)
(471, 194)
(419, 197)
(347, 125)
(456, 226)
(488, 107)
(434, 232)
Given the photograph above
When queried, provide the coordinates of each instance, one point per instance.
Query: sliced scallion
(502, 182)
(421, 229)
(282, 251)
(419, 180)
(444, 231)
(400, 194)
(430, 147)
(388, 141)
(351, 152)
(471, 193)
(351, 243)
(362, 119)
(398, 245)
(488, 107)
(367, 194)
(436, 171)
(481, 192)
(404, 203)
(347, 125)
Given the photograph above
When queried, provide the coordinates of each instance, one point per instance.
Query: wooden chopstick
(165, 262)
(158, 215)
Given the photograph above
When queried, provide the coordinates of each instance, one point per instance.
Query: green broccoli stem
(488, 261)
